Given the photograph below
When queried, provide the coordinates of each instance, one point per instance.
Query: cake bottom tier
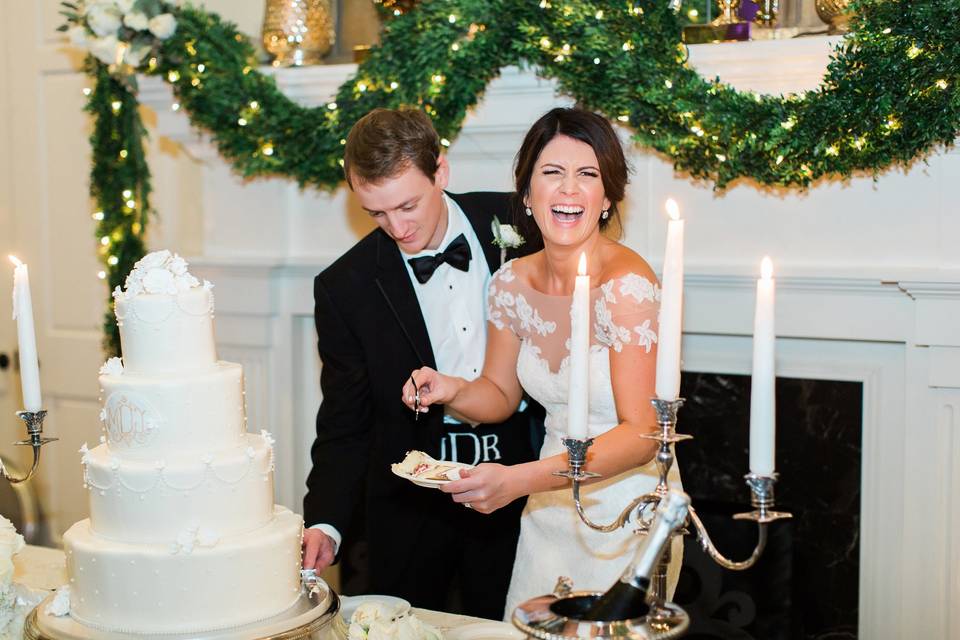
(154, 588)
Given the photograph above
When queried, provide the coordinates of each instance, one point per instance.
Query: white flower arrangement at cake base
(15, 600)
(375, 621)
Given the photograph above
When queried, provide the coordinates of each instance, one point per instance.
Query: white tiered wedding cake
(183, 534)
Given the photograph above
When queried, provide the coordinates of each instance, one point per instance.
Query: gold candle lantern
(835, 13)
(298, 32)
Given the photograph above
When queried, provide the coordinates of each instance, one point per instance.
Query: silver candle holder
(664, 616)
(35, 439)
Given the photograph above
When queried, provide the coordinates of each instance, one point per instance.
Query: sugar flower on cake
(267, 437)
(159, 272)
(160, 281)
(60, 605)
(112, 367)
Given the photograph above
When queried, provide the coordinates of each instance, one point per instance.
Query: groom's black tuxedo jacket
(371, 335)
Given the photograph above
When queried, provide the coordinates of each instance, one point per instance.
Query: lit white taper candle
(578, 398)
(762, 402)
(26, 337)
(671, 308)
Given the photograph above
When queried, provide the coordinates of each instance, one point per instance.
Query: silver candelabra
(35, 439)
(663, 615)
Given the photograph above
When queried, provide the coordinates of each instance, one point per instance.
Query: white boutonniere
(506, 237)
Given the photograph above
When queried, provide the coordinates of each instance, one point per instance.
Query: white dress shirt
(454, 307)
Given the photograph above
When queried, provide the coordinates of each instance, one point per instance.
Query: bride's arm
(491, 398)
(632, 372)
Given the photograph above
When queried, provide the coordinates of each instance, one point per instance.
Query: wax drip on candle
(16, 263)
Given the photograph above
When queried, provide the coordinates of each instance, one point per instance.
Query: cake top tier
(165, 316)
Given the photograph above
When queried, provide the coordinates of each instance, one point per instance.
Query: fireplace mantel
(868, 290)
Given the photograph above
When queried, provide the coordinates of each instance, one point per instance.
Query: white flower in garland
(106, 49)
(104, 20)
(136, 21)
(119, 33)
(163, 26)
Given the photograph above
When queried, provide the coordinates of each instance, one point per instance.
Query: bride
(570, 176)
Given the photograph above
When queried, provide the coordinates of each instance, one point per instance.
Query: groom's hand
(484, 488)
(317, 550)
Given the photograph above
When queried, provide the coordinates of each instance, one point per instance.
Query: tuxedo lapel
(401, 300)
(481, 221)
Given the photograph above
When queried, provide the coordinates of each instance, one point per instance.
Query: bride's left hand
(484, 488)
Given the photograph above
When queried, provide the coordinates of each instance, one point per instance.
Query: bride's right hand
(435, 388)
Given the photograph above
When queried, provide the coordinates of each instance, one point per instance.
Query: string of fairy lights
(889, 97)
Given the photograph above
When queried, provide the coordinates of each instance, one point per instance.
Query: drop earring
(605, 214)
(529, 211)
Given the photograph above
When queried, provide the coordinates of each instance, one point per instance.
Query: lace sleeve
(501, 299)
(626, 313)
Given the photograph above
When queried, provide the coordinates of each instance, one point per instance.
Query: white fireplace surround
(868, 290)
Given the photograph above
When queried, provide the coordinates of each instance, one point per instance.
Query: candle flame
(766, 268)
(672, 209)
(15, 261)
(582, 267)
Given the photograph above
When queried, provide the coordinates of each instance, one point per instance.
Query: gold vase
(298, 32)
(835, 13)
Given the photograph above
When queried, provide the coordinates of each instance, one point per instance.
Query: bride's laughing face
(566, 192)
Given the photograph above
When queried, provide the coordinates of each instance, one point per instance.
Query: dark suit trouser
(460, 555)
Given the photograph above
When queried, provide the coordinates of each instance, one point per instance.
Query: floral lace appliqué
(607, 331)
(646, 336)
(639, 288)
(530, 318)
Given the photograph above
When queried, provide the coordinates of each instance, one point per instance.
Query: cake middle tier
(156, 415)
(155, 501)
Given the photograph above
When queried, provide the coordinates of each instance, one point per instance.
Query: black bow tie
(457, 255)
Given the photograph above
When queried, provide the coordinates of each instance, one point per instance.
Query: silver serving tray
(315, 616)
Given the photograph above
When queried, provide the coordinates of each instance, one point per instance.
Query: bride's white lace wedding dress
(553, 540)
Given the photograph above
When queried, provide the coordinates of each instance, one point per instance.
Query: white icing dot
(142, 497)
(133, 562)
(102, 492)
(96, 591)
(93, 559)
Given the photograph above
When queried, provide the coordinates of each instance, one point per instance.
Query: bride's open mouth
(567, 214)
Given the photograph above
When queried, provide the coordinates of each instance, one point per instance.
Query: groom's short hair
(386, 142)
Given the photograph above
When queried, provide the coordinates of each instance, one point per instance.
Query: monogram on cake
(183, 534)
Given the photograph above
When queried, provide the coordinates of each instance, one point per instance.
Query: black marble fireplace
(806, 584)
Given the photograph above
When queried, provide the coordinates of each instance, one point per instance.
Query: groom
(409, 294)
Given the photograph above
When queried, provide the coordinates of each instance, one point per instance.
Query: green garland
(889, 97)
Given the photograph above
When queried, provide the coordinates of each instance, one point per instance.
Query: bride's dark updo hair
(581, 125)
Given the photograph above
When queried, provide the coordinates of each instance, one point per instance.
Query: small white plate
(349, 604)
(431, 484)
(484, 631)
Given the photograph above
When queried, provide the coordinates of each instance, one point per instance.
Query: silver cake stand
(315, 616)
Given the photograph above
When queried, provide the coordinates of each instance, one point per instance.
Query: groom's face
(409, 206)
